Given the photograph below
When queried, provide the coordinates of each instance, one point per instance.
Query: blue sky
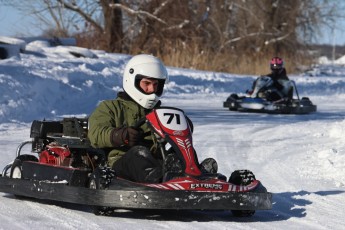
(12, 23)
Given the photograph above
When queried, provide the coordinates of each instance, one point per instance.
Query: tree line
(237, 36)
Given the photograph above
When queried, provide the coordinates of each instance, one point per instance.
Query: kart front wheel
(242, 177)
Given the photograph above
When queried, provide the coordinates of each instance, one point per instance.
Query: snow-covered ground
(299, 158)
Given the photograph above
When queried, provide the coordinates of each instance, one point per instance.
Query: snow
(299, 158)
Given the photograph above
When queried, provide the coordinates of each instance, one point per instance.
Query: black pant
(139, 165)
(273, 96)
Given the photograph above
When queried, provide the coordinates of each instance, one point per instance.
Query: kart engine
(55, 154)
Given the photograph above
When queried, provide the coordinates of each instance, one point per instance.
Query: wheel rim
(17, 173)
(92, 184)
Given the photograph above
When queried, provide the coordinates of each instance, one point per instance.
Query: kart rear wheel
(16, 169)
(242, 177)
(96, 181)
(17, 165)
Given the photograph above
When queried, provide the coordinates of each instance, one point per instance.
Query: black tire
(95, 180)
(3, 53)
(17, 168)
(17, 165)
(242, 177)
(98, 180)
(234, 96)
(232, 99)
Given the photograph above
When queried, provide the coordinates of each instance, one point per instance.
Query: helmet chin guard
(148, 66)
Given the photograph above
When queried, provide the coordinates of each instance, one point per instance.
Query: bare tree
(271, 22)
(199, 33)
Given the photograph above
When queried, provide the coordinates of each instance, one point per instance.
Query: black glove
(134, 136)
(126, 136)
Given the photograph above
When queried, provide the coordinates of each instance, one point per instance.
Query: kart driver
(280, 86)
(132, 152)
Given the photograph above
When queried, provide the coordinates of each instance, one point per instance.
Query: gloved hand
(126, 136)
(133, 136)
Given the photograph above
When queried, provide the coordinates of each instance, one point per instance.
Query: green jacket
(122, 111)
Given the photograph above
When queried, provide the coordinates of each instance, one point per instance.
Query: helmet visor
(158, 89)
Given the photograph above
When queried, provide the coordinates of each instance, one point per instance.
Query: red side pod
(210, 185)
(181, 138)
(185, 145)
(152, 118)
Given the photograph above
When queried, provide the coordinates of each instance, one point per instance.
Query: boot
(209, 165)
(154, 175)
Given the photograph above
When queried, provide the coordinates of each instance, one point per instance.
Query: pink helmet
(276, 63)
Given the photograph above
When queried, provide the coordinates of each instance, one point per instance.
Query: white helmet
(144, 66)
